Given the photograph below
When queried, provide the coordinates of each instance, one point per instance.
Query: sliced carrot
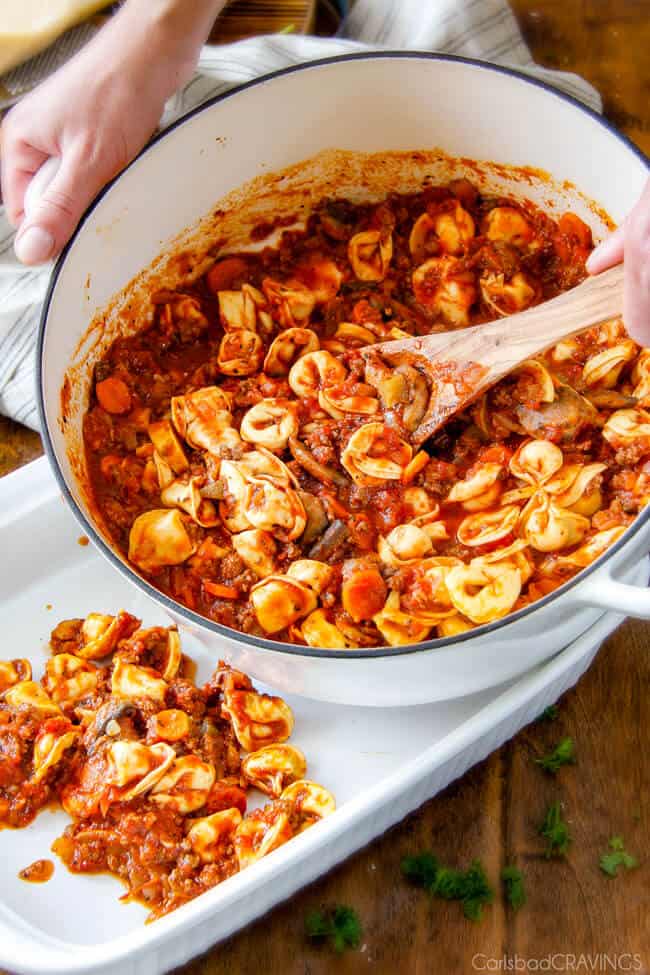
(208, 549)
(363, 594)
(217, 589)
(573, 226)
(413, 468)
(108, 464)
(223, 274)
(113, 395)
(337, 508)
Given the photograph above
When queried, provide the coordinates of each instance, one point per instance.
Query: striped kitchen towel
(484, 29)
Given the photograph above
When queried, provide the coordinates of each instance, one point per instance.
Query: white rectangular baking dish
(380, 763)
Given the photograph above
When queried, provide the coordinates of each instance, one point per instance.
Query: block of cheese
(29, 26)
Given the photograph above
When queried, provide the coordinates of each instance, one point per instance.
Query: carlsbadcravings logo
(560, 962)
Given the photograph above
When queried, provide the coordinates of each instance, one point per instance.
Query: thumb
(607, 254)
(54, 202)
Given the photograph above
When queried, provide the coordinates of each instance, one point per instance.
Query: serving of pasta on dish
(147, 764)
(254, 460)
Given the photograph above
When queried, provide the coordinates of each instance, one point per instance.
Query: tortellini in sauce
(451, 230)
(315, 371)
(304, 457)
(134, 768)
(69, 679)
(270, 423)
(243, 309)
(204, 419)
(373, 454)
(273, 767)
(480, 488)
(483, 592)
(160, 538)
(186, 495)
(397, 627)
(278, 601)
(547, 527)
(209, 836)
(604, 368)
(287, 347)
(257, 719)
(122, 763)
(505, 297)
(627, 427)
(185, 785)
(447, 288)
(292, 302)
(50, 746)
(370, 253)
(317, 630)
(508, 224)
(240, 353)
(13, 671)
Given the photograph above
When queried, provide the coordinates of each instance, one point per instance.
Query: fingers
(632, 241)
(54, 215)
(18, 163)
(636, 298)
(607, 254)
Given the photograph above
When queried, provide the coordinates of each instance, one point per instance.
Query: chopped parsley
(564, 753)
(339, 926)
(616, 857)
(513, 885)
(556, 832)
(550, 713)
(471, 887)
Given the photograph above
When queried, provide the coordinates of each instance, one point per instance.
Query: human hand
(632, 241)
(95, 114)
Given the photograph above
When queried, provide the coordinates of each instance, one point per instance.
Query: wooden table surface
(575, 915)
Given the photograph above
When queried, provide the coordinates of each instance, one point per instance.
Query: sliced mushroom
(322, 472)
(334, 536)
(564, 418)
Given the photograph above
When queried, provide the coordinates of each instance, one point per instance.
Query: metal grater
(26, 76)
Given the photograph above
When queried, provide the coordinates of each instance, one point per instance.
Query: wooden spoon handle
(462, 364)
(503, 344)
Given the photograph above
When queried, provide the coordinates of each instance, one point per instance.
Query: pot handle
(603, 591)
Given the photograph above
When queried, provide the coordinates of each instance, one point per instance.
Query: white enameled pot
(379, 103)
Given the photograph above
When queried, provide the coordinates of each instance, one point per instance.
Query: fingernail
(34, 245)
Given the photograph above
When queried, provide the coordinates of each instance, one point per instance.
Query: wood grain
(246, 18)
(494, 811)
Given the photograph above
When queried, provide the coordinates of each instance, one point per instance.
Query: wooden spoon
(462, 364)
